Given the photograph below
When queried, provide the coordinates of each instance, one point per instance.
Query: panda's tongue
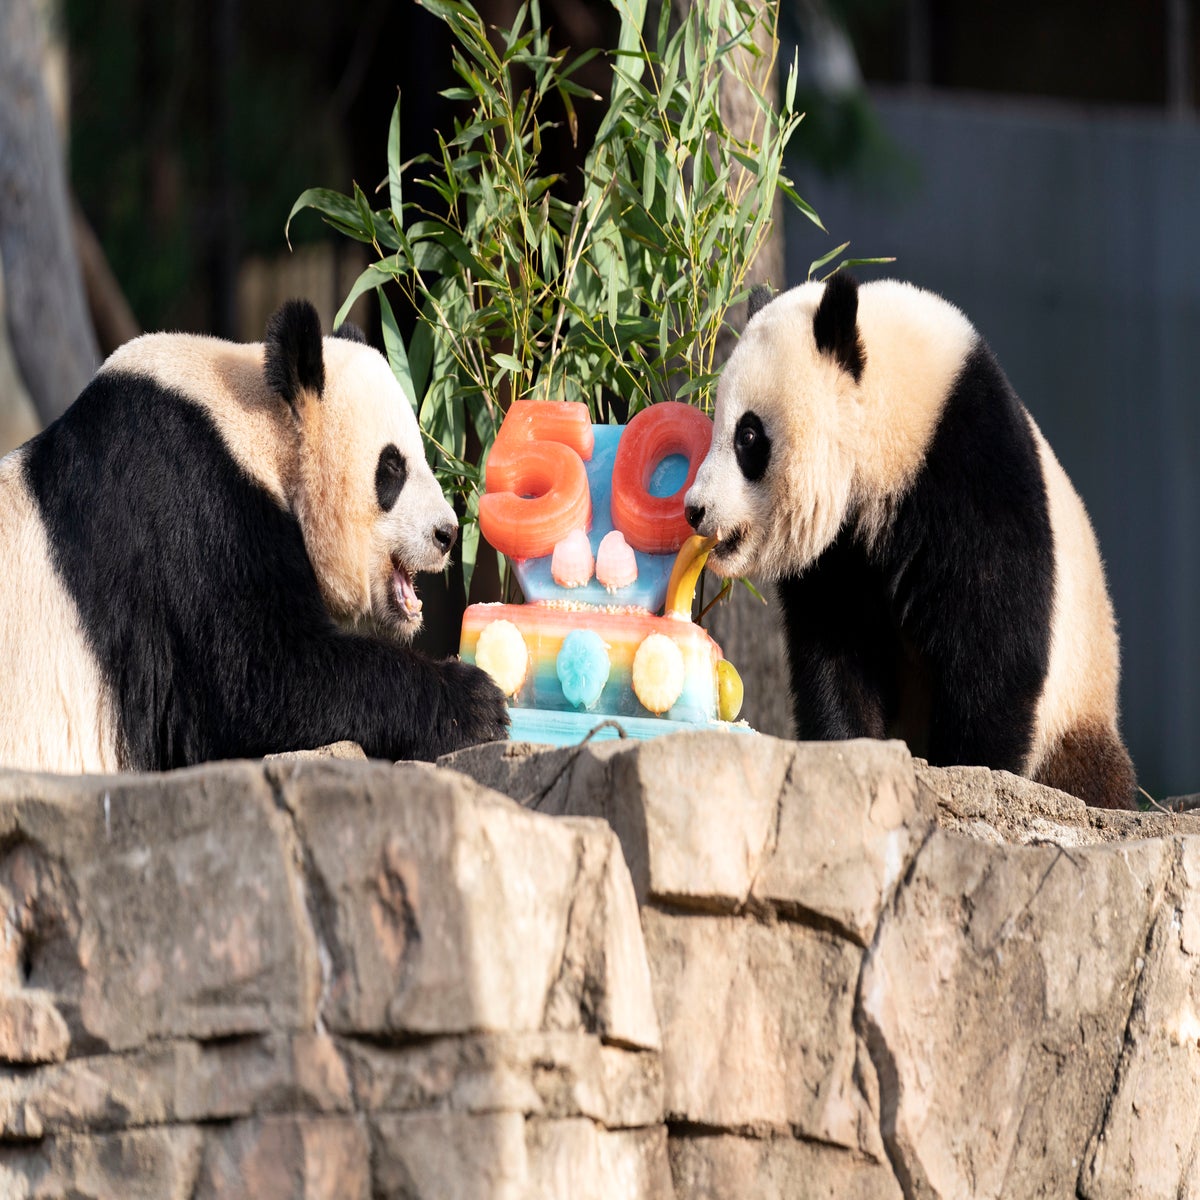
(406, 594)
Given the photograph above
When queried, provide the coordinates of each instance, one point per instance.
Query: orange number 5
(537, 488)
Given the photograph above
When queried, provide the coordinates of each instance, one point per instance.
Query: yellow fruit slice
(501, 652)
(658, 673)
(681, 587)
(729, 691)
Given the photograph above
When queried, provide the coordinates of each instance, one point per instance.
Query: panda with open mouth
(938, 577)
(212, 554)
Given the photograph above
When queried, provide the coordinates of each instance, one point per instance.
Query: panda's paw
(478, 712)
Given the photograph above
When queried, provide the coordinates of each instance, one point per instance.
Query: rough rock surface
(881, 979)
(318, 977)
(704, 967)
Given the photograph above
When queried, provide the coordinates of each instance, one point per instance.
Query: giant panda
(938, 577)
(211, 554)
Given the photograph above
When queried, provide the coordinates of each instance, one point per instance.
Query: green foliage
(677, 205)
(621, 295)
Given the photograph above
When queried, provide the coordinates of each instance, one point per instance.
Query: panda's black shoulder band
(835, 324)
(294, 359)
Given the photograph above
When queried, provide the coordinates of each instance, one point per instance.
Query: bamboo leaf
(393, 343)
(817, 264)
(420, 356)
(376, 275)
(469, 549)
(694, 384)
(649, 175)
(395, 170)
(803, 205)
(752, 590)
(339, 211)
(789, 94)
(859, 262)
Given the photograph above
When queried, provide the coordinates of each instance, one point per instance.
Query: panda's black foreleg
(474, 710)
(970, 565)
(984, 646)
(833, 697)
(394, 701)
(979, 724)
(986, 678)
(840, 647)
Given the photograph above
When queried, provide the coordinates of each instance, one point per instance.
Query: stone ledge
(827, 970)
(444, 908)
(997, 807)
(154, 907)
(819, 832)
(281, 979)
(719, 1166)
(875, 977)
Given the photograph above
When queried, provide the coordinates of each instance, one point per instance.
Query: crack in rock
(304, 877)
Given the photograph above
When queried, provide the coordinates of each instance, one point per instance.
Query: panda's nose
(445, 536)
(694, 514)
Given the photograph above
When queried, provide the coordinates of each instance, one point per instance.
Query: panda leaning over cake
(211, 554)
(939, 579)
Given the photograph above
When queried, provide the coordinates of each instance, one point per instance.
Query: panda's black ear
(350, 332)
(835, 325)
(760, 296)
(294, 358)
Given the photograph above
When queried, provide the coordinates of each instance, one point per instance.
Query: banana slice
(681, 588)
(658, 673)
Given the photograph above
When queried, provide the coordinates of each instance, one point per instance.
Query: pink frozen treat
(616, 564)
(572, 563)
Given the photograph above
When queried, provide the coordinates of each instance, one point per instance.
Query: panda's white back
(1084, 669)
(54, 714)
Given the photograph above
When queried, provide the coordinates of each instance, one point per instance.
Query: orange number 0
(656, 524)
(537, 488)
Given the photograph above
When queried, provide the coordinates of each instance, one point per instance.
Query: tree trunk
(18, 421)
(52, 338)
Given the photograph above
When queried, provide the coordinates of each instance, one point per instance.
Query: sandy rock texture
(878, 978)
(701, 966)
(318, 977)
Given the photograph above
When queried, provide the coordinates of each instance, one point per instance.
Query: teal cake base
(549, 728)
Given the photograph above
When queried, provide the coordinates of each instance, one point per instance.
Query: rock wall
(704, 967)
(329, 979)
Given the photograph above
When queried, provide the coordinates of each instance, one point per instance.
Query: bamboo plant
(616, 299)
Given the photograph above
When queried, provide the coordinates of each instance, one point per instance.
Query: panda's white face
(777, 480)
(372, 513)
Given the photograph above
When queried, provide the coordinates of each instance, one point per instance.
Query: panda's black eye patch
(751, 446)
(390, 475)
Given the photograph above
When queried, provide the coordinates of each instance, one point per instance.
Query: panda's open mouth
(730, 544)
(404, 593)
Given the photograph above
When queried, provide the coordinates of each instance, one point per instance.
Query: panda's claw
(475, 704)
